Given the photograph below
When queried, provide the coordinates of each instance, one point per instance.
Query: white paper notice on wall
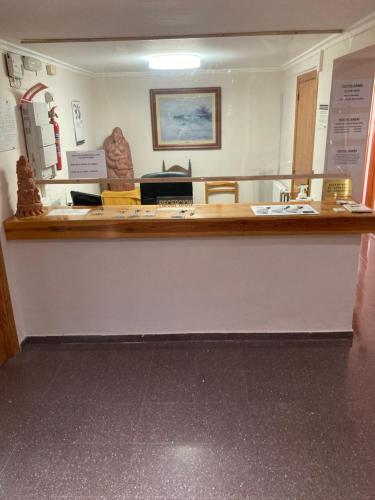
(323, 116)
(8, 127)
(349, 126)
(345, 158)
(78, 123)
(354, 93)
(86, 164)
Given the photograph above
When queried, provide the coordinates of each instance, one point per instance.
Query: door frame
(8, 332)
(368, 190)
(309, 75)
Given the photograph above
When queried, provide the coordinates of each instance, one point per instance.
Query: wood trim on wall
(310, 75)
(9, 345)
(370, 191)
(186, 35)
(166, 180)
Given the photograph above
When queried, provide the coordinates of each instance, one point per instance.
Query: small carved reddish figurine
(29, 202)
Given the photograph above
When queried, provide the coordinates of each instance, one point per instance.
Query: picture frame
(78, 123)
(186, 118)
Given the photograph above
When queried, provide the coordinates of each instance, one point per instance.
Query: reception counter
(136, 221)
(114, 272)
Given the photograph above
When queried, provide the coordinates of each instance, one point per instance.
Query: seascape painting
(188, 119)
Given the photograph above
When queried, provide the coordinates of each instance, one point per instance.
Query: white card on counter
(293, 209)
(357, 208)
(69, 211)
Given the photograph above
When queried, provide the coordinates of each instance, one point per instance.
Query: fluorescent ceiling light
(174, 61)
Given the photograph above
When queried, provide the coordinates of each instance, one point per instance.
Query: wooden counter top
(207, 220)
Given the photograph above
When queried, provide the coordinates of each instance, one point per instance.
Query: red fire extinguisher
(56, 130)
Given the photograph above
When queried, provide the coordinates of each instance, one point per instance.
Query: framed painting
(186, 118)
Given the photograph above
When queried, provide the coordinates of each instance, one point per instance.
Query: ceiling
(111, 18)
(216, 53)
(79, 18)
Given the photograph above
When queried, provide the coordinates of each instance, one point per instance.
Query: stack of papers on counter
(69, 211)
(357, 208)
(293, 209)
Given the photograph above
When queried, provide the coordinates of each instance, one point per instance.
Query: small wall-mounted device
(51, 69)
(14, 68)
(48, 97)
(14, 65)
(32, 64)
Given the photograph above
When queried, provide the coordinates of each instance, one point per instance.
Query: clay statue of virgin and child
(119, 160)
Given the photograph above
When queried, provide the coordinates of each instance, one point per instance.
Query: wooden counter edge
(37, 229)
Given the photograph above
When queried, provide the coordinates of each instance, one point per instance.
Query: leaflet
(292, 209)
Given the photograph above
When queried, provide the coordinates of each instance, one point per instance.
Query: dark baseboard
(337, 338)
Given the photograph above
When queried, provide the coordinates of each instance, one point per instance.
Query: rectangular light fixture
(174, 61)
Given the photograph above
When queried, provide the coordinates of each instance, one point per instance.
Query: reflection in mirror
(241, 106)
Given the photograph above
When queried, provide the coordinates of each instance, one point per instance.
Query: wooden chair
(178, 168)
(219, 187)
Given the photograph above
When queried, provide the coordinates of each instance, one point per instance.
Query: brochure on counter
(284, 210)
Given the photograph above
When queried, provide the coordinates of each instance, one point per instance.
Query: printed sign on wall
(350, 104)
(348, 127)
(354, 93)
(322, 119)
(346, 158)
(86, 164)
(8, 127)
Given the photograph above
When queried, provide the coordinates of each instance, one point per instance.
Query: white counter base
(194, 285)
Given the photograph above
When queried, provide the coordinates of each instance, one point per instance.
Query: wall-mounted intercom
(14, 68)
(32, 64)
(40, 139)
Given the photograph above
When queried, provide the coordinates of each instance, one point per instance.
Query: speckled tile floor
(184, 420)
(188, 420)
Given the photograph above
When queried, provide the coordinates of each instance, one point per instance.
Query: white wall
(66, 86)
(250, 124)
(338, 49)
(253, 284)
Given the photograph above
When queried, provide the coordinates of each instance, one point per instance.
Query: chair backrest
(178, 168)
(132, 197)
(150, 192)
(220, 187)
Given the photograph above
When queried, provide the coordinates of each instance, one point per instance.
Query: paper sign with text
(86, 164)
(353, 93)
